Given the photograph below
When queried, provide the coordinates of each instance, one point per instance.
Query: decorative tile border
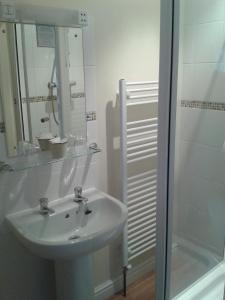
(39, 99)
(91, 116)
(49, 98)
(203, 105)
(77, 95)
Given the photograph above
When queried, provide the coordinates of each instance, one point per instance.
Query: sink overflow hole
(67, 216)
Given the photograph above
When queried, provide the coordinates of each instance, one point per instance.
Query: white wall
(200, 167)
(126, 40)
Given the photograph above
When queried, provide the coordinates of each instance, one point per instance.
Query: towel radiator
(138, 142)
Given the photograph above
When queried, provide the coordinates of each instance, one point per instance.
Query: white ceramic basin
(65, 234)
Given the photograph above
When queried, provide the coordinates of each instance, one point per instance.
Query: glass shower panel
(199, 197)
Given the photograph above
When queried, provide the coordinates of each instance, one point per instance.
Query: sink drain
(74, 237)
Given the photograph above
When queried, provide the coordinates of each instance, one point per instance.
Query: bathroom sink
(66, 233)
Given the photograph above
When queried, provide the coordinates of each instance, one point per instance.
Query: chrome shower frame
(169, 47)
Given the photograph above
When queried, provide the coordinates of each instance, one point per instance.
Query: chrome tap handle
(44, 208)
(78, 191)
(43, 203)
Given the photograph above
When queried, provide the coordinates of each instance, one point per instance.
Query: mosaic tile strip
(91, 116)
(49, 98)
(77, 95)
(38, 99)
(203, 105)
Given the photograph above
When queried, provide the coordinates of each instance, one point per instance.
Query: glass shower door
(196, 245)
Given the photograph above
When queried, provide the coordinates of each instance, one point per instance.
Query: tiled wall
(203, 36)
(200, 199)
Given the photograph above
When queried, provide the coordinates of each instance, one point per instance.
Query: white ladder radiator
(138, 141)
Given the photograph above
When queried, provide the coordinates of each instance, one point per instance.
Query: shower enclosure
(192, 157)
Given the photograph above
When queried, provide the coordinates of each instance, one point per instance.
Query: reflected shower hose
(51, 86)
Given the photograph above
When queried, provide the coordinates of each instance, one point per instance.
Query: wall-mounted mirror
(42, 90)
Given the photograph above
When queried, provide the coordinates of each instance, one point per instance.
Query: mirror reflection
(32, 99)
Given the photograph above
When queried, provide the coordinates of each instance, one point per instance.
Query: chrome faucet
(82, 201)
(44, 208)
(78, 195)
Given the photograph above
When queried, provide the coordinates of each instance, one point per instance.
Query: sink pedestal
(74, 279)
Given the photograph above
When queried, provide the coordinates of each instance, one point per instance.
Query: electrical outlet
(7, 11)
(83, 18)
(2, 127)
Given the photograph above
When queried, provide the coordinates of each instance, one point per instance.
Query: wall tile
(203, 82)
(203, 126)
(209, 42)
(202, 11)
(218, 87)
(204, 76)
(203, 217)
(209, 11)
(188, 10)
(188, 39)
(202, 161)
(188, 82)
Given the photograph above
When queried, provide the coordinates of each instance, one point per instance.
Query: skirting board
(111, 287)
